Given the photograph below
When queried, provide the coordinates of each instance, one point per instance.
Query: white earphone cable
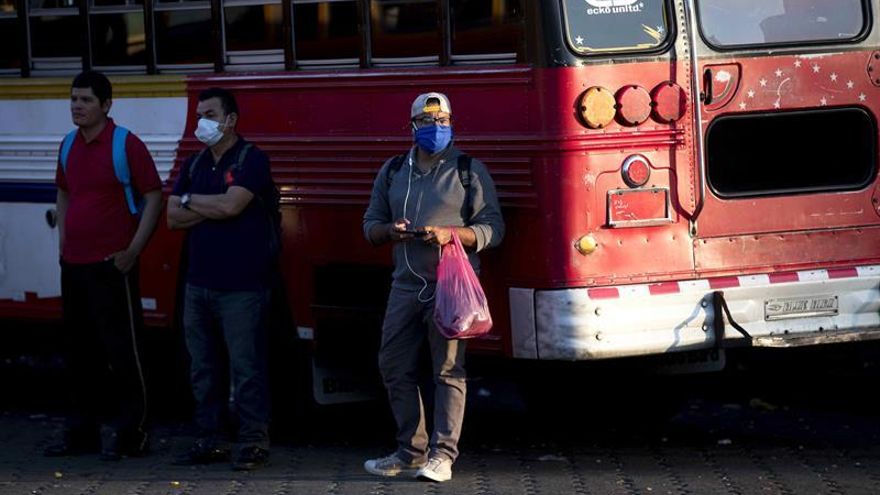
(406, 243)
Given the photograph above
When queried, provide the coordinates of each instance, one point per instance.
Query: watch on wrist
(184, 201)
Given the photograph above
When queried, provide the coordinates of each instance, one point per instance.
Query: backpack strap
(192, 166)
(120, 166)
(393, 167)
(239, 162)
(120, 162)
(464, 175)
(65, 149)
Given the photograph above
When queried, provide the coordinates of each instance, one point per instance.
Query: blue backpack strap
(65, 148)
(120, 166)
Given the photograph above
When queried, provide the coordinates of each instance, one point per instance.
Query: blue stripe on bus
(27, 193)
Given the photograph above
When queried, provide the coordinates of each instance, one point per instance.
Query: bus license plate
(800, 307)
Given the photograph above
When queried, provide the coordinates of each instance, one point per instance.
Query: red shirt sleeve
(144, 176)
(60, 179)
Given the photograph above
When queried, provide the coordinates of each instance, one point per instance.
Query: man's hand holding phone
(402, 231)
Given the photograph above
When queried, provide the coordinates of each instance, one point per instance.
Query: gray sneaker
(437, 469)
(392, 466)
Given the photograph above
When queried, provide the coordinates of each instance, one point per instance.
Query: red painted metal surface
(793, 82)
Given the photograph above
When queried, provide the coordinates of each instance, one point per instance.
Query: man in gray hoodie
(417, 199)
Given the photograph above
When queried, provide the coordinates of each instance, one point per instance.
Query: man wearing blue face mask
(226, 200)
(418, 199)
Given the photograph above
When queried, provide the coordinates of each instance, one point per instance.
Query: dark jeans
(214, 319)
(102, 321)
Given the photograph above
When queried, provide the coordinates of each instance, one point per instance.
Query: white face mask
(208, 132)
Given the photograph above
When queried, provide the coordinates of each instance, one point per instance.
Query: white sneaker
(392, 466)
(437, 469)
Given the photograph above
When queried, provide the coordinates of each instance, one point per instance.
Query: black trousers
(102, 320)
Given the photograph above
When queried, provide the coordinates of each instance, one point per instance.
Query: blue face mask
(433, 138)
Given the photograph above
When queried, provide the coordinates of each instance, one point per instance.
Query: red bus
(658, 161)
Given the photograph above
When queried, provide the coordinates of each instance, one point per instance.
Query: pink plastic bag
(460, 308)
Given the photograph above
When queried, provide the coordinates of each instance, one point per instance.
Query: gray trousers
(407, 323)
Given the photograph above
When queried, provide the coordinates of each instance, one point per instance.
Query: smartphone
(416, 232)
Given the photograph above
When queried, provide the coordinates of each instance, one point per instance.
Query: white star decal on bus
(778, 72)
(742, 106)
(579, 40)
(763, 82)
(823, 101)
(816, 68)
(797, 63)
(776, 104)
(833, 77)
(751, 93)
(862, 97)
(660, 29)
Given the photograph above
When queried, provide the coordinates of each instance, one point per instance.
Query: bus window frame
(867, 26)
(270, 59)
(362, 60)
(17, 15)
(218, 63)
(129, 7)
(508, 58)
(159, 6)
(50, 66)
(671, 36)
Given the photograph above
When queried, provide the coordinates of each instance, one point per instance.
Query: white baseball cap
(420, 104)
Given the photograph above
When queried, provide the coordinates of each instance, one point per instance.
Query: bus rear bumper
(777, 310)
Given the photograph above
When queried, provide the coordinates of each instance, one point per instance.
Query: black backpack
(464, 175)
(271, 205)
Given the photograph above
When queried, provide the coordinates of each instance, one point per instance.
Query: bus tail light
(636, 171)
(670, 102)
(634, 105)
(596, 107)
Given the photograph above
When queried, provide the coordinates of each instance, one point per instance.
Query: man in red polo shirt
(100, 240)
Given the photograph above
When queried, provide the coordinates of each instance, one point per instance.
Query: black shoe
(111, 450)
(71, 444)
(202, 452)
(114, 444)
(137, 444)
(250, 458)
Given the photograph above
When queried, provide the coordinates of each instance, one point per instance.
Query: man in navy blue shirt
(221, 198)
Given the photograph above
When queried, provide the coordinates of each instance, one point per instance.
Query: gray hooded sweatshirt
(435, 197)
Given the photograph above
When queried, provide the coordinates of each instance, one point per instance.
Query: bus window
(183, 35)
(842, 157)
(405, 31)
(751, 22)
(55, 29)
(97, 4)
(10, 38)
(326, 33)
(117, 32)
(254, 35)
(616, 25)
(486, 30)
